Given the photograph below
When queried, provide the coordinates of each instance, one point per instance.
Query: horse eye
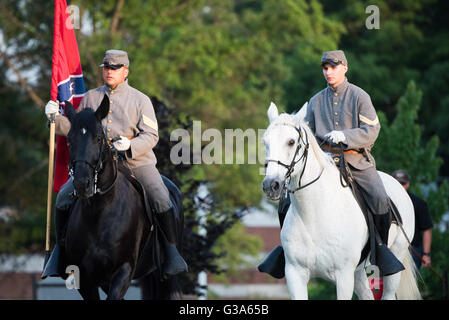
(291, 142)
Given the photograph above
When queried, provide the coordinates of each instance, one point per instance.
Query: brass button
(336, 123)
(336, 94)
(110, 111)
(112, 92)
(109, 121)
(109, 130)
(335, 103)
(112, 101)
(336, 113)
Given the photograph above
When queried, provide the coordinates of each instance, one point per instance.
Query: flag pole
(51, 156)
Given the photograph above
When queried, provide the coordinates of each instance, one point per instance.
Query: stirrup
(173, 263)
(387, 262)
(274, 264)
(53, 266)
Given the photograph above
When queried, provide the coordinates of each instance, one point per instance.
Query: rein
(291, 166)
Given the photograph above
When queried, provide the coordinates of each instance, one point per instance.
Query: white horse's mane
(324, 159)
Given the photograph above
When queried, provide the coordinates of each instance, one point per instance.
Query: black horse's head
(87, 146)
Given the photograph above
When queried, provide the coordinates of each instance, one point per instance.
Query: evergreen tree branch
(23, 83)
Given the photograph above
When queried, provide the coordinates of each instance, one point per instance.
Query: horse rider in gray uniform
(343, 113)
(132, 118)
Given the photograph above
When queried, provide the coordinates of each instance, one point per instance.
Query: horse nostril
(275, 186)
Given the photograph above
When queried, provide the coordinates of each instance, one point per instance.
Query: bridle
(97, 168)
(291, 166)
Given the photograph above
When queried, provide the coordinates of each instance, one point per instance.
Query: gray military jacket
(131, 115)
(349, 109)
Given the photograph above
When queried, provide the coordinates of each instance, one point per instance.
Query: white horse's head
(284, 145)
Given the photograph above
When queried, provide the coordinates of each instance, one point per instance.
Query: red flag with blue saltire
(67, 82)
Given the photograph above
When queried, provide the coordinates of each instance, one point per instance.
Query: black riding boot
(274, 263)
(173, 263)
(56, 263)
(385, 259)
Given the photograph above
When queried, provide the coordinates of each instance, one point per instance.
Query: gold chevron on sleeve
(368, 121)
(152, 124)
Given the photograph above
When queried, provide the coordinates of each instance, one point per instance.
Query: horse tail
(408, 286)
(154, 288)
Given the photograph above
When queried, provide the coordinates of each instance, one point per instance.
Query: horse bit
(291, 166)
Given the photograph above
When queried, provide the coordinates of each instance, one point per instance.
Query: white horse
(324, 230)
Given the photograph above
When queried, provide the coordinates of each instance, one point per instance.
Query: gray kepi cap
(334, 58)
(115, 59)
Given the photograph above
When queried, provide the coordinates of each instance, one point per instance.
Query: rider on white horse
(343, 113)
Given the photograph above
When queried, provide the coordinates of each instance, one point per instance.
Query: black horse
(112, 236)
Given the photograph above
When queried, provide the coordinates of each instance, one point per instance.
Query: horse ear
(301, 114)
(69, 110)
(103, 109)
(273, 112)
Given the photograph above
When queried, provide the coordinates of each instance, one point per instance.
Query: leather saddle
(151, 255)
(345, 176)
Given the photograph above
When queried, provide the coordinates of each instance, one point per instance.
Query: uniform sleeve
(367, 132)
(62, 124)
(147, 137)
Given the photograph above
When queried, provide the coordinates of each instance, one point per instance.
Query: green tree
(400, 146)
(411, 44)
(25, 38)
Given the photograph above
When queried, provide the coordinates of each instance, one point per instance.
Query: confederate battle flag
(67, 81)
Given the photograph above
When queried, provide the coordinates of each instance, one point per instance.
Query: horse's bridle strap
(97, 168)
(290, 168)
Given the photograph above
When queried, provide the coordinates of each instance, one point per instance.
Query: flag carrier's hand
(51, 109)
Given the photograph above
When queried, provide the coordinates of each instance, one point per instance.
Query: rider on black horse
(132, 118)
(343, 113)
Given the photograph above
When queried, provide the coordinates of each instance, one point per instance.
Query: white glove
(336, 136)
(123, 144)
(51, 108)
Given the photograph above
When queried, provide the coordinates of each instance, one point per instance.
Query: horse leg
(120, 281)
(390, 283)
(89, 292)
(105, 288)
(361, 285)
(297, 279)
(345, 284)
(399, 247)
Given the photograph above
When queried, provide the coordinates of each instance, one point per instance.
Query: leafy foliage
(400, 146)
(222, 62)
